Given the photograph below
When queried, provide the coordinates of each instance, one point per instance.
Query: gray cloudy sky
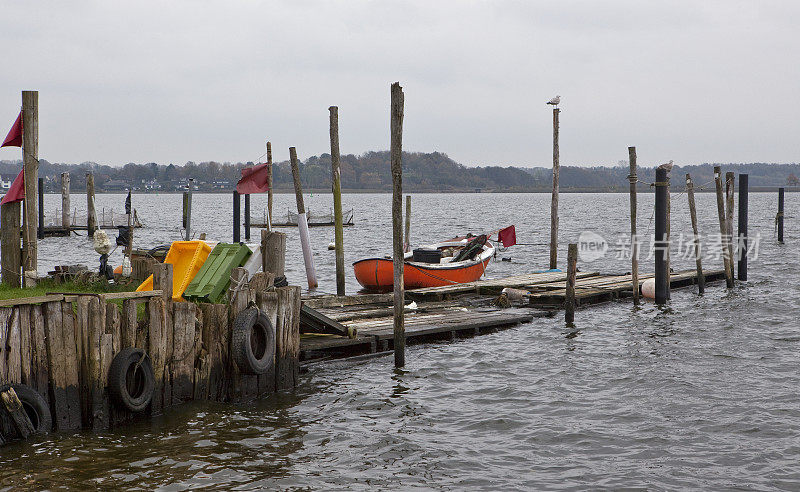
(177, 81)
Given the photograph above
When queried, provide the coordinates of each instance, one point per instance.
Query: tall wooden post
(701, 279)
(407, 235)
(662, 236)
(730, 178)
(741, 230)
(554, 199)
(91, 213)
(269, 183)
(722, 228)
(40, 230)
(129, 247)
(10, 254)
(273, 252)
(302, 222)
(634, 238)
(237, 220)
(247, 217)
(337, 199)
(65, 200)
(779, 217)
(30, 162)
(189, 210)
(396, 153)
(572, 268)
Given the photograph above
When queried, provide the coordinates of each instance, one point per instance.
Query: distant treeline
(370, 171)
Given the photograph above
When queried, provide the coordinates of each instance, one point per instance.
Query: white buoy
(649, 288)
(331, 245)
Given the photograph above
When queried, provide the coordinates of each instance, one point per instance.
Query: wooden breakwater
(62, 346)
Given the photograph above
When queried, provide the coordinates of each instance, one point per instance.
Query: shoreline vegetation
(432, 172)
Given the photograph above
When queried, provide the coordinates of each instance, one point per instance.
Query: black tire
(34, 405)
(253, 342)
(131, 381)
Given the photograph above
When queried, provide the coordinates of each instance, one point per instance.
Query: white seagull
(667, 166)
(555, 101)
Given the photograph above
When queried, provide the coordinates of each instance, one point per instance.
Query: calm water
(703, 394)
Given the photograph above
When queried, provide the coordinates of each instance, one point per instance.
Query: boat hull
(378, 274)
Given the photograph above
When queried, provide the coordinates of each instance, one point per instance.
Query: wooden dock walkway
(462, 310)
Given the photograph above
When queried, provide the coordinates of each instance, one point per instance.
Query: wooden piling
(19, 417)
(662, 236)
(407, 235)
(697, 250)
(634, 238)
(302, 224)
(741, 230)
(287, 338)
(247, 217)
(188, 224)
(237, 222)
(554, 197)
(730, 179)
(396, 129)
(273, 252)
(40, 208)
(572, 268)
(722, 227)
(10, 253)
(65, 223)
(779, 217)
(337, 199)
(91, 213)
(30, 162)
(269, 183)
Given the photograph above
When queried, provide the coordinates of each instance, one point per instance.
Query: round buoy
(118, 270)
(649, 288)
(331, 245)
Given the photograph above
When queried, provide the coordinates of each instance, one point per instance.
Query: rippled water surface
(702, 394)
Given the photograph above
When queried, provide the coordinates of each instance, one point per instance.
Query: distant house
(116, 185)
(5, 182)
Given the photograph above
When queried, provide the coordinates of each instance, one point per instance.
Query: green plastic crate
(214, 277)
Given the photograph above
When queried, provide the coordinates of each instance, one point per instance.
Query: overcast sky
(710, 81)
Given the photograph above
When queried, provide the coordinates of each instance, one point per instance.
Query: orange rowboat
(378, 273)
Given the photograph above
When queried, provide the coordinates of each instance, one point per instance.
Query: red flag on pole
(254, 180)
(17, 191)
(507, 236)
(14, 137)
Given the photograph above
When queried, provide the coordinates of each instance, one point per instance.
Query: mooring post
(40, 231)
(779, 217)
(237, 222)
(273, 252)
(407, 235)
(701, 280)
(10, 254)
(269, 183)
(741, 230)
(129, 247)
(337, 199)
(572, 268)
(247, 217)
(634, 239)
(722, 228)
(91, 213)
(396, 152)
(30, 163)
(65, 200)
(730, 179)
(302, 221)
(662, 236)
(188, 224)
(554, 197)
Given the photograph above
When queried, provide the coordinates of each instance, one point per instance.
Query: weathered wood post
(572, 268)
(337, 199)
(396, 146)
(237, 222)
(407, 235)
(634, 238)
(722, 228)
(730, 179)
(30, 162)
(247, 217)
(741, 230)
(554, 198)
(10, 254)
(40, 230)
(129, 247)
(779, 217)
(701, 280)
(273, 252)
(662, 236)
(65, 200)
(91, 213)
(302, 222)
(269, 183)
(188, 224)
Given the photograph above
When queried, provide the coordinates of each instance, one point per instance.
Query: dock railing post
(572, 268)
(269, 183)
(730, 180)
(247, 217)
(237, 220)
(30, 163)
(91, 212)
(662, 236)
(634, 238)
(40, 231)
(554, 196)
(741, 230)
(65, 200)
(396, 151)
(701, 279)
(189, 210)
(337, 199)
(722, 227)
(779, 217)
(302, 221)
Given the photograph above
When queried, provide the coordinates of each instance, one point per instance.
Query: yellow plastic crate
(186, 258)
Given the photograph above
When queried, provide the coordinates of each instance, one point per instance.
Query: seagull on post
(555, 101)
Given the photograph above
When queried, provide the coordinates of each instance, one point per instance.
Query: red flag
(14, 137)
(254, 180)
(507, 236)
(17, 191)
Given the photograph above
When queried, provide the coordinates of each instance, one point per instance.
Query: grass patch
(49, 285)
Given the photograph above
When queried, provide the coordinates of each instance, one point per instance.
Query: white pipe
(305, 243)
